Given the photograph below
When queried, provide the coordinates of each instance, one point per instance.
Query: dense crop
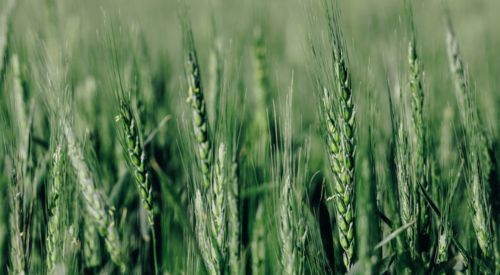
(249, 137)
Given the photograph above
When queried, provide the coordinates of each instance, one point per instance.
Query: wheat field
(249, 137)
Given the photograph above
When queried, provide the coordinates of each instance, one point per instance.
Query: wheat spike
(199, 109)
(137, 158)
(218, 203)
(339, 119)
(94, 202)
(55, 237)
(478, 165)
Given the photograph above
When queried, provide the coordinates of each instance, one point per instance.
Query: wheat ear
(94, 202)
(418, 137)
(339, 117)
(54, 234)
(137, 158)
(218, 203)
(408, 204)
(478, 160)
(197, 101)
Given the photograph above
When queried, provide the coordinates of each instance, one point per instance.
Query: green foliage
(115, 159)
